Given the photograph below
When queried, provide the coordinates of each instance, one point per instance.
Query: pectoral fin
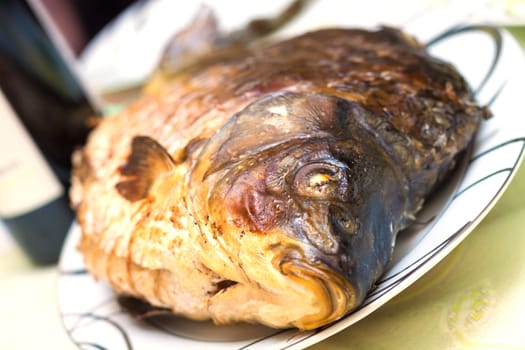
(148, 160)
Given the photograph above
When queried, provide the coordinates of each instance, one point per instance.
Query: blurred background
(79, 21)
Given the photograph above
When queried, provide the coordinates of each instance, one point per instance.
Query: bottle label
(26, 181)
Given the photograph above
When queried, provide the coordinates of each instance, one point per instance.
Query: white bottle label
(26, 181)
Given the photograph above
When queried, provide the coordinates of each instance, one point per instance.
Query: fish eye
(320, 180)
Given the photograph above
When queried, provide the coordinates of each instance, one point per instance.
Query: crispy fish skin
(268, 186)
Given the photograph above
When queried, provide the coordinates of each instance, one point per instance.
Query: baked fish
(267, 184)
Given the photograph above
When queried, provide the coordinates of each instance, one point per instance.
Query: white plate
(495, 69)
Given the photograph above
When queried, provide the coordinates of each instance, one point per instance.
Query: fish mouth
(334, 294)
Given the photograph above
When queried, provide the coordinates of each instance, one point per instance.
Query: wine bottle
(42, 101)
(41, 87)
(33, 203)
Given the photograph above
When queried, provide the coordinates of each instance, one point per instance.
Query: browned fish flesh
(268, 185)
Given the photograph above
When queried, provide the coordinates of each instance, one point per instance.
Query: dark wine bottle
(42, 93)
(41, 87)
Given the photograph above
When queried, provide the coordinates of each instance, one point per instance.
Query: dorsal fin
(148, 159)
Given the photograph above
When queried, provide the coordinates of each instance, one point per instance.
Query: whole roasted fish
(268, 184)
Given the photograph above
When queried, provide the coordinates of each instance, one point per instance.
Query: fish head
(303, 169)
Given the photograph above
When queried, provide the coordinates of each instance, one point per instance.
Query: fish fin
(261, 27)
(203, 32)
(186, 48)
(203, 35)
(202, 40)
(148, 159)
(199, 35)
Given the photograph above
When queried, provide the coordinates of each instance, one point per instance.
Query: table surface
(471, 300)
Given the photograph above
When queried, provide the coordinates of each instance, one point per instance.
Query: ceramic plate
(494, 65)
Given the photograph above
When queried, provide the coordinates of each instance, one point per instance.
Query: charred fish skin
(269, 186)
(301, 170)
